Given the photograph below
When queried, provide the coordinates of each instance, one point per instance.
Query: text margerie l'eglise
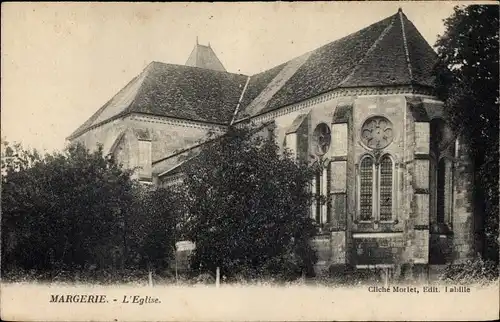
(77, 298)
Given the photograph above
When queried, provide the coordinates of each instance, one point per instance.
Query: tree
(77, 209)
(248, 208)
(151, 228)
(65, 210)
(468, 82)
(15, 158)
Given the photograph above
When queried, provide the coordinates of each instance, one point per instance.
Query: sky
(60, 62)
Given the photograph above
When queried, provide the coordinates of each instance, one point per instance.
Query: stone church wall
(463, 213)
(166, 137)
(283, 123)
(105, 134)
(169, 137)
(407, 239)
(387, 241)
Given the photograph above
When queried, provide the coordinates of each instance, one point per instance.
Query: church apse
(382, 195)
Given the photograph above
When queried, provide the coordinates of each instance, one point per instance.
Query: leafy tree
(75, 211)
(15, 158)
(151, 228)
(248, 208)
(468, 82)
(65, 210)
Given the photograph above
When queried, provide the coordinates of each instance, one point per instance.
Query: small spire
(400, 9)
(209, 44)
(196, 40)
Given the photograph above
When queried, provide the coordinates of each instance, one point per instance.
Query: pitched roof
(387, 53)
(177, 91)
(204, 57)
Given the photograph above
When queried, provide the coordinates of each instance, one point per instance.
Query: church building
(396, 185)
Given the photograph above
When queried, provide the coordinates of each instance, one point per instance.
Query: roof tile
(422, 57)
(373, 56)
(189, 93)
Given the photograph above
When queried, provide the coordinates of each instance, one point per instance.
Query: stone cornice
(176, 121)
(153, 119)
(111, 119)
(341, 92)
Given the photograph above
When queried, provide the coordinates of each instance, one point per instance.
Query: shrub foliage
(79, 212)
(248, 207)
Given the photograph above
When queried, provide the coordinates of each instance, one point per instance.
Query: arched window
(441, 171)
(376, 188)
(366, 188)
(385, 188)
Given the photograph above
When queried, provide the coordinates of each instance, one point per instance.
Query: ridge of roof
(257, 84)
(91, 121)
(422, 56)
(369, 51)
(385, 64)
(405, 42)
(276, 84)
(240, 100)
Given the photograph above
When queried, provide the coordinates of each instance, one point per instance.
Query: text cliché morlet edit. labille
(415, 289)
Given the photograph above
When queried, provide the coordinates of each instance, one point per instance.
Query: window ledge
(441, 228)
(390, 222)
(385, 222)
(357, 221)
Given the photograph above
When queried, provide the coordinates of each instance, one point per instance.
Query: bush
(472, 272)
(204, 278)
(78, 215)
(247, 209)
(347, 275)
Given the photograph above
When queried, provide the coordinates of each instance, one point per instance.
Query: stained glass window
(385, 188)
(366, 188)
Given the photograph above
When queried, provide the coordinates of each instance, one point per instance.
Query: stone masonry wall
(105, 134)
(463, 213)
